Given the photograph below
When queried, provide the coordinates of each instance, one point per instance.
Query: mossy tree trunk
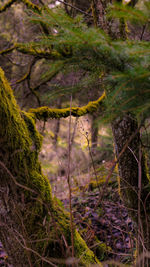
(35, 230)
(133, 179)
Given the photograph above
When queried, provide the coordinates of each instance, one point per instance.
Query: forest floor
(104, 223)
(98, 211)
(102, 219)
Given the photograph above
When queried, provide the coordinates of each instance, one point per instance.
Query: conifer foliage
(124, 64)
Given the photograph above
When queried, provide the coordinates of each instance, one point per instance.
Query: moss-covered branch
(44, 113)
(7, 5)
(35, 51)
(28, 3)
(32, 50)
(5, 51)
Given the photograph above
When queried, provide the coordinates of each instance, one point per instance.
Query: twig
(74, 130)
(139, 202)
(69, 183)
(33, 251)
(143, 256)
(76, 8)
(14, 179)
(143, 30)
(134, 155)
(93, 165)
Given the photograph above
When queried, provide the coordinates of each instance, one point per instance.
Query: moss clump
(93, 184)
(85, 255)
(102, 250)
(34, 134)
(40, 183)
(17, 137)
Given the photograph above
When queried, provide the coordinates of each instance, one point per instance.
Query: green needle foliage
(129, 13)
(124, 64)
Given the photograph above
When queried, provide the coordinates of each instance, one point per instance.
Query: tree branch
(7, 50)
(76, 8)
(28, 3)
(44, 113)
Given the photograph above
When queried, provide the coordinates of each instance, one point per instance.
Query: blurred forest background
(38, 58)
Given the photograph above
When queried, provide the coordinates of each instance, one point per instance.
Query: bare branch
(14, 179)
(76, 8)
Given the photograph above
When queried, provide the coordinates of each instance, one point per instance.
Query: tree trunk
(35, 230)
(133, 180)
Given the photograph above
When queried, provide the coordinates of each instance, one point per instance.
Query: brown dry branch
(34, 252)
(140, 237)
(92, 160)
(69, 182)
(74, 7)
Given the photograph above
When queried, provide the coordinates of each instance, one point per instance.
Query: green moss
(6, 5)
(43, 113)
(102, 250)
(28, 3)
(11, 120)
(5, 51)
(23, 142)
(85, 255)
(30, 49)
(93, 184)
(62, 218)
(34, 134)
(82, 252)
(40, 183)
(59, 202)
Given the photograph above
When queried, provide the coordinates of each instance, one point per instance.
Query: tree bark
(133, 179)
(128, 163)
